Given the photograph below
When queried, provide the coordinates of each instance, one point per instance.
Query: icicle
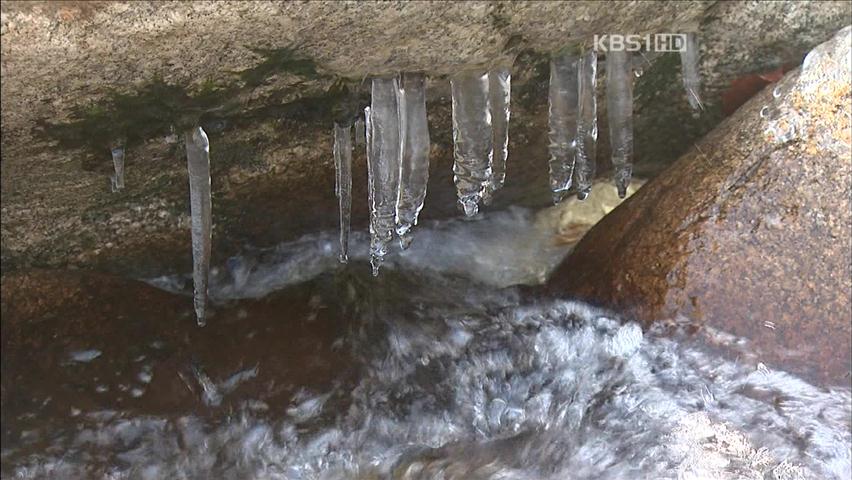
(562, 102)
(336, 164)
(414, 150)
(587, 123)
(360, 137)
(117, 180)
(619, 102)
(690, 72)
(198, 163)
(343, 162)
(500, 82)
(471, 138)
(382, 167)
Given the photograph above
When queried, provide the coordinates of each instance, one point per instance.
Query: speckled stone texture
(750, 232)
(271, 166)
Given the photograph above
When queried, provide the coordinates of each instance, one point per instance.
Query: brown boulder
(749, 232)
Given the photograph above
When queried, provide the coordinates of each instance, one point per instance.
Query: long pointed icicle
(117, 180)
(562, 101)
(500, 85)
(343, 163)
(382, 167)
(471, 138)
(690, 71)
(587, 123)
(414, 150)
(619, 100)
(198, 163)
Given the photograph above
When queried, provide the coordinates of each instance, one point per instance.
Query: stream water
(440, 368)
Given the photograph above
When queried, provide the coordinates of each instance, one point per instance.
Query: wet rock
(749, 232)
(78, 341)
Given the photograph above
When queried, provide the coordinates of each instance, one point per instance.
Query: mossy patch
(279, 61)
(158, 108)
(132, 118)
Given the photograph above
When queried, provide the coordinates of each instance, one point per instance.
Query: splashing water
(198, 164)
(458, 381)
(457, 375)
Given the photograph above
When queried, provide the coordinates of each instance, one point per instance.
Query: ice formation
(587, 123)
(500, 85)
(360, 135)
(562, 101)
(414, 153)
(198, 163)
(343, 177)
(118, 162)
(619, 97)
(383, 159)
(472, 138)
(690, 71)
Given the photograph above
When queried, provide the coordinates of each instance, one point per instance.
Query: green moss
(277, 61)
(135, 117)
(154, 108)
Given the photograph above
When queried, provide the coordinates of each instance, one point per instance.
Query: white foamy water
(459, 379)
(501, 249)
(459, 391)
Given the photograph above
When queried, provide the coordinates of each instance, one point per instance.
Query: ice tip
(199, 138)
(343, 258)
(375, 263)
(405, 239)
(469, 207)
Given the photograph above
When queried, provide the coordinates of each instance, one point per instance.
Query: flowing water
(440, 368)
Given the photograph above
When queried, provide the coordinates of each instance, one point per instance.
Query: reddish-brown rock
(749, 232)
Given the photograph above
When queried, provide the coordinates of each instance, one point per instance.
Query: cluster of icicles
(395, 132)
